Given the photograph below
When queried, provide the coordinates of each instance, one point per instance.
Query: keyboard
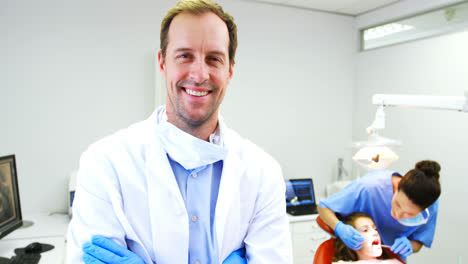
(301, 210)
(26, 259)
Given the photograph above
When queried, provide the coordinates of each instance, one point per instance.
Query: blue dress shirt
(199, 188)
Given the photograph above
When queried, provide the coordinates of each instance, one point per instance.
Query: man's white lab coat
(127, 191)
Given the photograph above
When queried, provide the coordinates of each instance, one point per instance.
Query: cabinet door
(307, 237)
(303, 245)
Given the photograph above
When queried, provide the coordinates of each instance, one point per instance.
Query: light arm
(457, 103)
(373, 151)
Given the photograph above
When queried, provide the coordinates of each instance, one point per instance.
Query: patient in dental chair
(371, 250)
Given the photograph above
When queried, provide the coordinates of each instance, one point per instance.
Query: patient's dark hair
(421, 184)
(342, 252)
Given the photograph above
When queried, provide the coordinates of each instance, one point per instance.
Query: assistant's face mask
(419, 219)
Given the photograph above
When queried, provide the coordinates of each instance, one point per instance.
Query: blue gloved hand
(236, 257)
(350, 236)
(103, 250)
(402, 246)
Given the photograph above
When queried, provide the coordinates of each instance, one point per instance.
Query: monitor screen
(10, 210)
(299, 192)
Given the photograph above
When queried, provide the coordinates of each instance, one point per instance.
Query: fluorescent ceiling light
(443, 20)
(385, 30)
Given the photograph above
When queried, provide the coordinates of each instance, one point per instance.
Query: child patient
(371, 250)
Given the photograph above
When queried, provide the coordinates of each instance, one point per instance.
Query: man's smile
(196, 93)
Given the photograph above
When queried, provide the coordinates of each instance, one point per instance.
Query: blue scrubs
(372, 194)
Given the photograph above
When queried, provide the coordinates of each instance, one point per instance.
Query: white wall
(72, 72)
(435, 66)
(292, 86)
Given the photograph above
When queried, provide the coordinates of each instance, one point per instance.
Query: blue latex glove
(236, 257)
(402, 246)
(103, 250)
(350, 236)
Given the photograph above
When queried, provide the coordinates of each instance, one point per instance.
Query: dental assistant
(181, 186)
(404, 208)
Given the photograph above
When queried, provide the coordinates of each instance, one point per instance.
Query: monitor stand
(5, 260)
(27, 223)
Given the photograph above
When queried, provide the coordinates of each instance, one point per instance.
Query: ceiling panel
(348, 7)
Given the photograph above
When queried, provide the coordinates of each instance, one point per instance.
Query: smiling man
(181, 187)
(197, 69)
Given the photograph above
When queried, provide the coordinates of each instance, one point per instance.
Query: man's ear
(161, 63)
(231, 70)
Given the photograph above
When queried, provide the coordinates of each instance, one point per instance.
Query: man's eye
(183, 56)
(214, 59)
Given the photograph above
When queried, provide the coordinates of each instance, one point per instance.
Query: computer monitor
(300, 198)
(10, 209)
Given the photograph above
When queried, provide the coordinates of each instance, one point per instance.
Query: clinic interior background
(72, 72)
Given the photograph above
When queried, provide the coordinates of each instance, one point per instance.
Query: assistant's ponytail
(430, 168)
(421, 184)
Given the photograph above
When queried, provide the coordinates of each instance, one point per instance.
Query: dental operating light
(377, 153)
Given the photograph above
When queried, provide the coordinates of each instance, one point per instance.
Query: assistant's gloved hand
(103, 250)
(350, 236)
(402, 246)
(236, 257)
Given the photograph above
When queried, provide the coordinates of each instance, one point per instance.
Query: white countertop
(302, 218)
(47, 229)
(44, 225)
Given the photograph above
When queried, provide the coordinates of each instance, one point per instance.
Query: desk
(52, 229)
(48, 229)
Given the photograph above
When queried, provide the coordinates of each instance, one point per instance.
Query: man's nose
(199, 71)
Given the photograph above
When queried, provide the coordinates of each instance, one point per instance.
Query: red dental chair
(326, 250)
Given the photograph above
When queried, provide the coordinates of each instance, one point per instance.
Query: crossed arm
(104, 250)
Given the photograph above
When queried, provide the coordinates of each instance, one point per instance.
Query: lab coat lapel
(227, 218)
(169, 220)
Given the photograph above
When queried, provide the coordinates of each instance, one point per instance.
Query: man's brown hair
(198, 7)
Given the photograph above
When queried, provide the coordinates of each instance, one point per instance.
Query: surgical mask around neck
(419, 219)
(216, 138)
(189, 151)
